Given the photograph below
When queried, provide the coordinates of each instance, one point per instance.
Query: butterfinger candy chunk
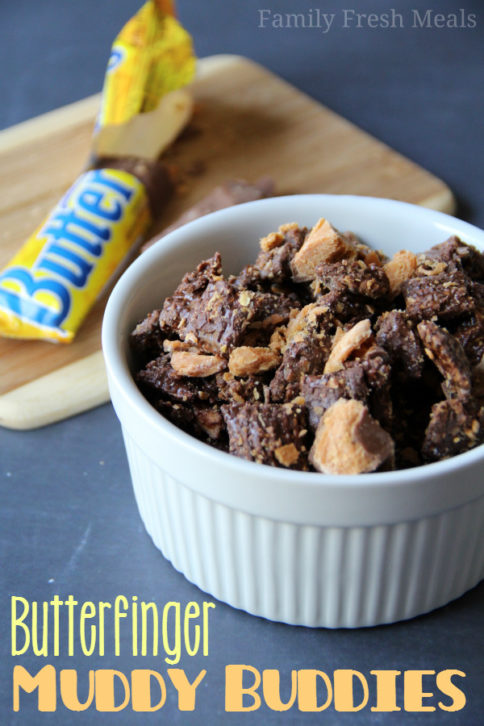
(323, 244)
(453, 428)
(400, 269)
(287, 455)
(274, 239)
(247, 361)
(175, 346)
(349, 441)
(273, 434)
(289, 227)
(440, 295)
(449, 357)
(348, 344)
(278, 340)
(196, 365)
(372, 257)
(320, 392)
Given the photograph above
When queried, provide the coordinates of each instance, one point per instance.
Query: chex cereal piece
(320, 392)
(146, 339)
(158, 377)
(396, 334)
(355, 277)
(453, 428)
(443, 295)
(448, 355)
(269, 433)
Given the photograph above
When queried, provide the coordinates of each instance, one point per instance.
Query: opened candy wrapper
(49, 286)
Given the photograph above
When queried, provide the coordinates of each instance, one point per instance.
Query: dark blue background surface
(68, 518)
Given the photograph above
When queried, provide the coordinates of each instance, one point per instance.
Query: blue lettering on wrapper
(91, 201)
(76, 233)
(27, 307)
(69, 223)
(117, 56)
(100, 176)
(77, 276)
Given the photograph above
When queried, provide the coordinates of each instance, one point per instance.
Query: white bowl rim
(119, 371)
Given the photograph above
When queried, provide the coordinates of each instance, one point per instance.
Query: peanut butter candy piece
(349, 441)
(323, 244)
(399, 269)
(196, 365)
(248, 360)
(347, 344)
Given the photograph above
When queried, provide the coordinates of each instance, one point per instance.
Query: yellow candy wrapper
(152, 56)
(55, 278)
(51, 283)
(145, 103)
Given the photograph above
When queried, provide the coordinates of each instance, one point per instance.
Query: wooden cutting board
(248, 123)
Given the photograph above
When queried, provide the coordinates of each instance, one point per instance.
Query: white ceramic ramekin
(302, 548)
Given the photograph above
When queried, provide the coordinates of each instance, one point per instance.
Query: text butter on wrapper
(54, 279)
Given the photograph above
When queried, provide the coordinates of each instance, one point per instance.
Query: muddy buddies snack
(323, 354)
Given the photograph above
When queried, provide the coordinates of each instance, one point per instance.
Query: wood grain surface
(248, 123)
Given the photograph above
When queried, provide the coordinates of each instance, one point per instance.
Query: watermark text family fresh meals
(352, 19)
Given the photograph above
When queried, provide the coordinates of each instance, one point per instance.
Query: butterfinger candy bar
(52, 282)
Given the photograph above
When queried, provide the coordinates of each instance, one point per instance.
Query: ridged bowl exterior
(305, 574)
(296, 547)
